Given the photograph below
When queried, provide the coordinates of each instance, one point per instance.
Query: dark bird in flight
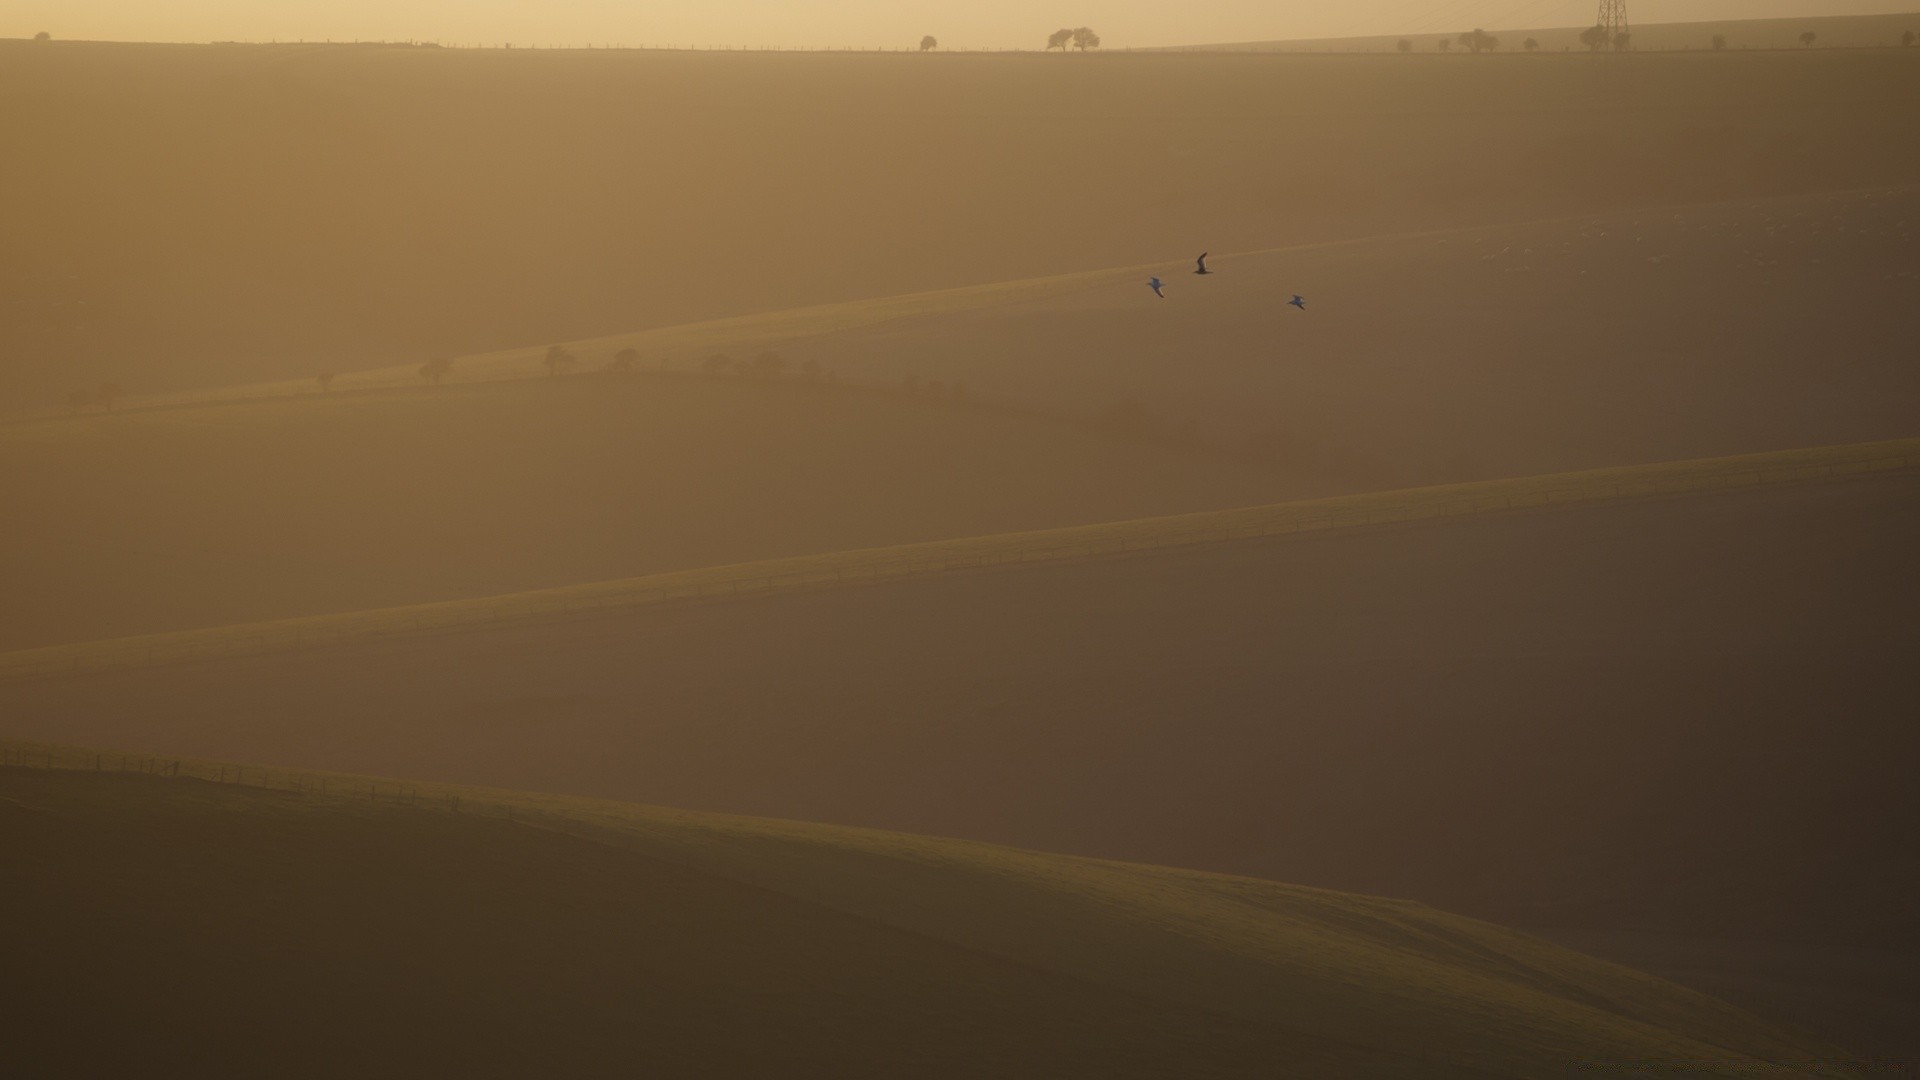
(1156, 285)
(1299, 302)
(1203, 264)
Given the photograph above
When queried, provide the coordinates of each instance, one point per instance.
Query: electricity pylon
(1613, 19)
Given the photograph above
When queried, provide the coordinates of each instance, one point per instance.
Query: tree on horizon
(1479, 41)
(1530, 45)
(1059, 39)
(1594, 38)
(929, 43)
(1406, 45)
(1807, 38)
(436, 369)
(1719, 43)
(43, 36)
(1084, 38)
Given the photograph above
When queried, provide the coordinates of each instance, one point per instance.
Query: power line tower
(1613, 19)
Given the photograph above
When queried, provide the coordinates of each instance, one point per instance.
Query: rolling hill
(1683, 718)
(1458, 356)
(601, 940)
(1467, 354)
(142, 521)
(207, 215)
(1488, 714)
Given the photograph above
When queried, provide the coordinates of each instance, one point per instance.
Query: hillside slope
(204, 215)
(154, 520)
(1686, 714)
(427, 942)
(1573, 343)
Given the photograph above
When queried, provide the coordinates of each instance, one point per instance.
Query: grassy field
(883, 564)
(217, 215)
(431, 931)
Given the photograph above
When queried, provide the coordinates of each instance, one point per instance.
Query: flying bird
(1299, 302)
(1156, 285)
(1203, 264)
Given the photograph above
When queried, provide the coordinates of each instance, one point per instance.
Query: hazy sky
(963, 23)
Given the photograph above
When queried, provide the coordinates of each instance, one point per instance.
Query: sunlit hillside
(1574, 343)
(442, 937)
(203, 215)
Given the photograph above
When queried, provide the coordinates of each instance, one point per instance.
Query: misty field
(423, 466)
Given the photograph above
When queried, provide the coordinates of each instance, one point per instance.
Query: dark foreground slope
(180, 927)
(1688, 717)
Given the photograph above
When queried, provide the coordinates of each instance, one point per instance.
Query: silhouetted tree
(625, 360)
(768, 364)
(1084, 38)
(1594, 38)
(717, 364)
(1622, 41)
(1530, 45)
(1479, 41)
(436, 369)
(1445, 45)
(1809, 37)
(1405, 45)
(1719, 43)
(325, 379)
(1059, 39)
(43, 36)
(929, 43)
(558, 359)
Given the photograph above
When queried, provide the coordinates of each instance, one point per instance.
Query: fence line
(938, 557)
